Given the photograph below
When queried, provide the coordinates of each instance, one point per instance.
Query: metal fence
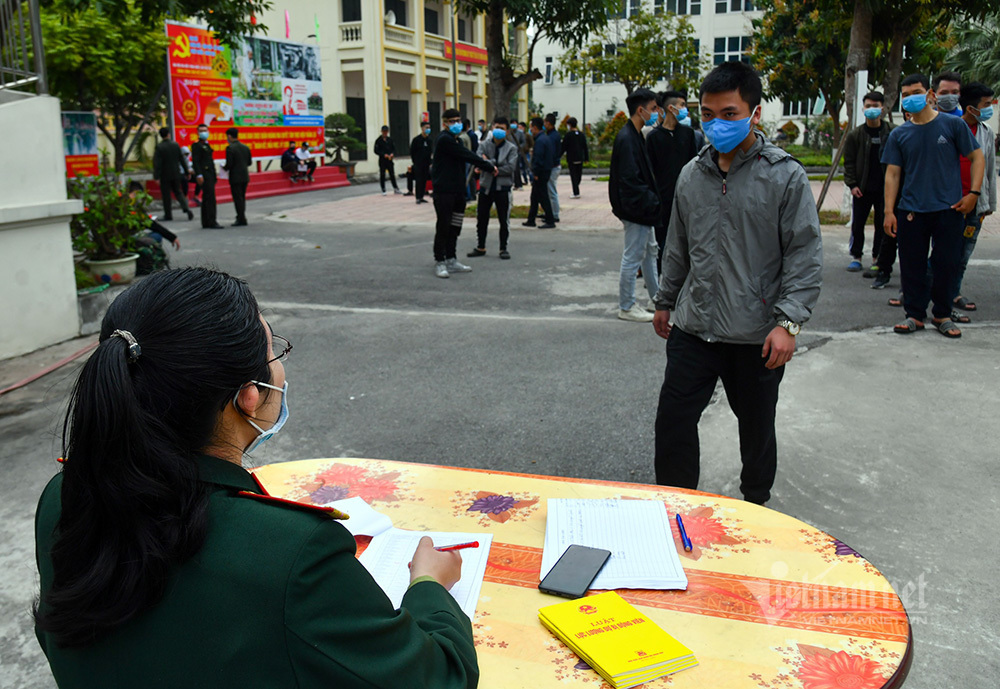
(22, 58)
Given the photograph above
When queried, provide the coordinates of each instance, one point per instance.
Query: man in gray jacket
(504, 154)
(741, 274)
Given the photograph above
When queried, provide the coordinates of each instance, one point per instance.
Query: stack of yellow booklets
(624, 646)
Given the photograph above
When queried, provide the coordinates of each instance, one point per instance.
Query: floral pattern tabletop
(771, 601)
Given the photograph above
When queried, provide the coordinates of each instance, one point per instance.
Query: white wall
(38, 307)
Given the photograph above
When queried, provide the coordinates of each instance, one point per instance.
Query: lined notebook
(637, 532)
(624, 646)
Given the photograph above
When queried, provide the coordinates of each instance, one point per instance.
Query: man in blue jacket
(542, 161)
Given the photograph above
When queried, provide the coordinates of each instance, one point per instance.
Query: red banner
(467, 53)
(86, 165)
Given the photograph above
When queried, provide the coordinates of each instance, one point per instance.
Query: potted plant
(340, 132)
(105, 232)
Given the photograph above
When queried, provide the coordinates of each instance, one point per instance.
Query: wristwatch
(792, 327)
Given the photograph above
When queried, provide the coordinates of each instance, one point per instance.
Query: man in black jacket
(448, 176)
(385, 149)
(542, 162)
(203, 167)
(670, 145)
(634, 200)
(420, 159)
(574, 146)
(238, 159)
(167, 170)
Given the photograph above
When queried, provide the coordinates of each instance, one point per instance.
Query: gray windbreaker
(742, 252)
(506, 163)
(988, 197)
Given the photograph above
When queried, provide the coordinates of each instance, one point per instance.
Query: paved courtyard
(888, 443)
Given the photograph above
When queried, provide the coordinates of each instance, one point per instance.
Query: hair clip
(134, 350)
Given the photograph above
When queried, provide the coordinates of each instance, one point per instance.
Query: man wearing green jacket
(238, 161)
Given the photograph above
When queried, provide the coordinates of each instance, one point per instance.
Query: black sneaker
(870, 272)
(880, 281)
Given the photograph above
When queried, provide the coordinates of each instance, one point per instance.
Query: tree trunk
(894, 65)
(503, 83)
(858, 53)
(833, 108)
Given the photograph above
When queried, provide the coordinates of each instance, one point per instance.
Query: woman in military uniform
(164, 564)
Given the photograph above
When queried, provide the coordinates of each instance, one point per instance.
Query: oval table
(771, 603)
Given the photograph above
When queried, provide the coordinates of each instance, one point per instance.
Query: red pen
(458, 546)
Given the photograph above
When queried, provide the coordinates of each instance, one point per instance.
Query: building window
(731, 49)
(398, 7)
(461, 29)
(351, 10)
(548, 70)
(801, 108)
(626, 8)
(723, 6)
(431, 21)
(677, 6)
(572, 78)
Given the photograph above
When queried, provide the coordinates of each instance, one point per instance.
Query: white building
(722, 32)
(388, 62)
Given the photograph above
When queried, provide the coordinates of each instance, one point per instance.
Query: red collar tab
(303, 506)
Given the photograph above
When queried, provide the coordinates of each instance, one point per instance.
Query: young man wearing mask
(203, 167)
(238, 159)
(385, 149)
(420, 158)
(496, 148)
(947, 89)
(741, 273)
(290, 162)
(448, 177)
(551, 133)
(634, 201)
(864, 175)
(977, 108)
(670, 147)
(542, 156)
(932, 206)
(574, 147)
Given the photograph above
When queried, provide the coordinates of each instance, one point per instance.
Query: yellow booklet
(619, 642)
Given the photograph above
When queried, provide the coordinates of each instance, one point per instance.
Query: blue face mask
(279, 422)
(203, 136)
(682, 114)
(726, 135)
(873, 113)
(653, 117)
(985, 114)
(427, 131)
(685, 122)
(456, 128)
(915, 103)
(499, 134)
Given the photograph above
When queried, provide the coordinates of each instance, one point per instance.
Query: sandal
(476, 252)
(965, 304)
(910, 325)
(948, 328)
(959, 317)
(896, 301)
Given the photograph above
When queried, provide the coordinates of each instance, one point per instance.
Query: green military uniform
(168, 162)
(274, 598)
(203, 165)
(238, 161)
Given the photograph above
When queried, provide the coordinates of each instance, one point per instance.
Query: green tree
(510, 65)
(230, 19)
(341, 130)
(649, 48)
(977, 55)
(113, 66)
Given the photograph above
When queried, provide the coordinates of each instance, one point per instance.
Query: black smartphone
(575, 570)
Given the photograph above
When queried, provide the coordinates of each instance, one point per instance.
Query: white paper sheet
(364, 520)
(637, 532)
(387, 556)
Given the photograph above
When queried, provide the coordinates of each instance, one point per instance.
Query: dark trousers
(693, 368)
(386, 167)
(450, 209)
(660, 232)
(502, 199)
(575, 175)
(887, 254)
(239, 191)
(310, 168)
(422, 174)
(540, 195)
(522, 175)
(914, 238)
(862, 207)
(208, 203)
(170, 187)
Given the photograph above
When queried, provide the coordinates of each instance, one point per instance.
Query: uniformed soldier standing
(238, 161)
(168, 163)
(204, 173)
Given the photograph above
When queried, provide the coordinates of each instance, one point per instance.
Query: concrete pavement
(886, 442)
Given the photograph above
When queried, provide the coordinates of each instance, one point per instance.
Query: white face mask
(279, 422)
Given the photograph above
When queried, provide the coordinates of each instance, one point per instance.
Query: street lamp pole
(454, 55)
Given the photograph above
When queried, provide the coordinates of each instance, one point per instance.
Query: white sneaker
(575, 196)
(636, 314)
(441, 270)
(395, 190)
(453, 266)
(651, 306)
(384, 193)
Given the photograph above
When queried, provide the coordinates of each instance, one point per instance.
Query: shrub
(111, 219)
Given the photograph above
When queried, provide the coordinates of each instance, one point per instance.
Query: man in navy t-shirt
(931, 209)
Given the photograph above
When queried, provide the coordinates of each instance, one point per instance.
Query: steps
(263, 184)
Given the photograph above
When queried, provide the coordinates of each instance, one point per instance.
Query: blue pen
(684, 537)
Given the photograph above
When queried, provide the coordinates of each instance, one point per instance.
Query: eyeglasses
(280, 343)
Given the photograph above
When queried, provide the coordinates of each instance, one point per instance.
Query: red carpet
(274, 183)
